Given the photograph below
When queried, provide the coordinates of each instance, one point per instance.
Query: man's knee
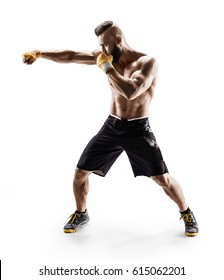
(81, 174)
(162, 180)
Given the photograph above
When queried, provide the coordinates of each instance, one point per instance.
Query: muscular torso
(134, 108)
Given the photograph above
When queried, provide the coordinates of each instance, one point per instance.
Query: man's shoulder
(146, 63)
(96, 53)
(147, 60)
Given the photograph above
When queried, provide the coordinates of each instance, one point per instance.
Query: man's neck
(126, 56)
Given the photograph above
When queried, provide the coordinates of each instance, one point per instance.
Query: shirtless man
(132, 79)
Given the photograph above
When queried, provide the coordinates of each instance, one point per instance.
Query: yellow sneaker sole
(191, 234)
(70, 230)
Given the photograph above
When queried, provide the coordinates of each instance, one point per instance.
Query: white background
(49, 112)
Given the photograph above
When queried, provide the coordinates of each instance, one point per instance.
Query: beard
(116, 53)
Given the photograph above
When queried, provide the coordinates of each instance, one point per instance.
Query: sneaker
(77, 220)
(191, 226)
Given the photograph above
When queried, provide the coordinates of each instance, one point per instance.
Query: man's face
(109, 46)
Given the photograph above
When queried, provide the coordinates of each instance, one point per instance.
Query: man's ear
(118, 39)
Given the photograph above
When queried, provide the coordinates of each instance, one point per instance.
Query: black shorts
(135, 137)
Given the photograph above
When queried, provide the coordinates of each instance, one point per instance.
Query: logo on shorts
(147, 127)
(151, 142)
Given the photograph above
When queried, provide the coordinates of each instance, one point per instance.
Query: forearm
(124, 86)
(58, 56)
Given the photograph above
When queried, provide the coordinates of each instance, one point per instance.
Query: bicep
(143, 77)
(86, 57)
(83, 57)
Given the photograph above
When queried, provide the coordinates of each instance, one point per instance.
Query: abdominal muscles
(127, 109)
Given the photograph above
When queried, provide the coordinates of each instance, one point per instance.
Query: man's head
(110, 39)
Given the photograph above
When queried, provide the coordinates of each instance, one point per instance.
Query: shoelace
(73, 217)
(187, 218)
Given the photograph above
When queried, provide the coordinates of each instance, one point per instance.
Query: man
(132, 79)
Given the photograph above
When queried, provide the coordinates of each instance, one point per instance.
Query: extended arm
(62, 56)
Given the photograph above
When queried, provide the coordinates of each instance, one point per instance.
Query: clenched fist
(30, 57)
(105, 62)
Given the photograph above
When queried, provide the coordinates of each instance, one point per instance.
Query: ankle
(187, 211)
(80, 212)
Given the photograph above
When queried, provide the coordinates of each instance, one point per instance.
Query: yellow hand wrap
(105, 62)
(32, 56)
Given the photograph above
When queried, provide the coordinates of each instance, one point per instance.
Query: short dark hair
(102, 27)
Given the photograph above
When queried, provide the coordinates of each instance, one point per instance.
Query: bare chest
(127, 70)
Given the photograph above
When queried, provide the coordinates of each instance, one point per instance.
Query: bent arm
(139, 81)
